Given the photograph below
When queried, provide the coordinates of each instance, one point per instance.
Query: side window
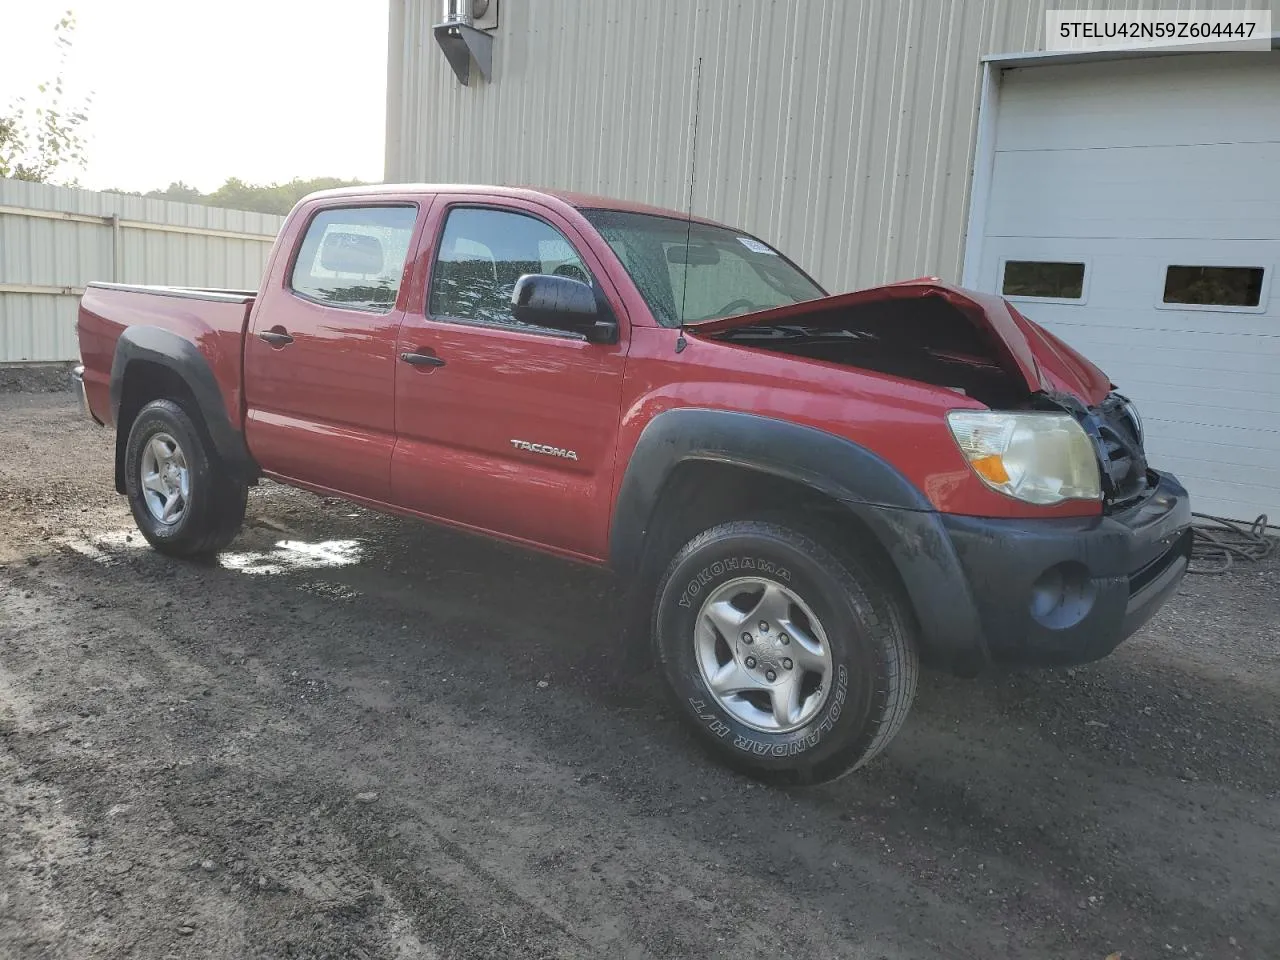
(484, 252)
(353, 257)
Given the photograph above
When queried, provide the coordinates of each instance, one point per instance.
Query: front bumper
(1064, 591)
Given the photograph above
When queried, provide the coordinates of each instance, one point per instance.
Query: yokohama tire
(857, 683)
(165, 444)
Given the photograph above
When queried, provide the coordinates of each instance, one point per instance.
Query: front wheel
(183, 499)
(793, 661)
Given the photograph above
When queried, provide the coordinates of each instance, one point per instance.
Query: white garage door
(1135, 211)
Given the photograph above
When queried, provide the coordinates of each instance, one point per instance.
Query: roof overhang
(1045, 58)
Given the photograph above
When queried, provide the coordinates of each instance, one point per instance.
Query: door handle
(277, 338)
(422, 359)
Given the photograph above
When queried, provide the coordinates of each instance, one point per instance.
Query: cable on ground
(1217, 542)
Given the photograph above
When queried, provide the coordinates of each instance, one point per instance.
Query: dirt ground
(358, 737)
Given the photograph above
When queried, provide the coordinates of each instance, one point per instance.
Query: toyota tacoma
(806, 495)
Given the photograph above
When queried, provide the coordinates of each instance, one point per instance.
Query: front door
(320, 356)
(506, 427)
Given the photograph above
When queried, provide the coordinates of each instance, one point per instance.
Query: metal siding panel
(840, 130)
(37, 327)
(38, 251)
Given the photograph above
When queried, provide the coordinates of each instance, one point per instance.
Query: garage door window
(1043, 280)
(1229, 287)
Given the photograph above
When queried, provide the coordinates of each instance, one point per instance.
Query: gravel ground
(35, 377)
(359, 737)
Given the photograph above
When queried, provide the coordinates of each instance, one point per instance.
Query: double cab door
(383, 362)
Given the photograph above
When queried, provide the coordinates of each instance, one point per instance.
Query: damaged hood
(1026, 350)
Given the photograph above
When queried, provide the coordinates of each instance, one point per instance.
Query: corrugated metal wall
(840, 130)
(45, 261)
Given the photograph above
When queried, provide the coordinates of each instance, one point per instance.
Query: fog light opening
(1062, 596)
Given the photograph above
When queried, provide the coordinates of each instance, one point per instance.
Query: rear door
(512, 428)
(319, 360)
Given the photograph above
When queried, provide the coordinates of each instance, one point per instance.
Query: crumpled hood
(1043, 362)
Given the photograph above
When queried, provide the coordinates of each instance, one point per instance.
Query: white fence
(54, 240)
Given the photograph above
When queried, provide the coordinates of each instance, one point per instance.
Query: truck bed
(196, 293)
(212, 319)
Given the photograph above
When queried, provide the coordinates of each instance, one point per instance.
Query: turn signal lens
(1041, 458)
(991, 469)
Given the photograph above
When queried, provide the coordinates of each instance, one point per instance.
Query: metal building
(1126, 200)
(54, 240)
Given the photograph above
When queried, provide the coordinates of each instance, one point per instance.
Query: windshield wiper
(785, 331)
(768, 331)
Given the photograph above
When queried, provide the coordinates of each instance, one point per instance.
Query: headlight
(1036, 457)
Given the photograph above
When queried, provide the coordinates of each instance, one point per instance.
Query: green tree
(177, 190)
(42, 141)
(277, 198)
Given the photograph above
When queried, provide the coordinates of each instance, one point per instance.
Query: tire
(806, 608)
(208, 513)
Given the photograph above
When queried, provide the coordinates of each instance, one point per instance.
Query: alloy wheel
(763, 654)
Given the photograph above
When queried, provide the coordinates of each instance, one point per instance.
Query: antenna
(693, 170)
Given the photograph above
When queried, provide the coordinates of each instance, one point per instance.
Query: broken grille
(1124, 462)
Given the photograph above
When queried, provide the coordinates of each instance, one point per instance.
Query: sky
(196, 91)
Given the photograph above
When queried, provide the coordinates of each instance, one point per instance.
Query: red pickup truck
(808, 494)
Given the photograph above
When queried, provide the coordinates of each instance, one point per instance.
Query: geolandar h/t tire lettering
(183, 500)
(793, 661)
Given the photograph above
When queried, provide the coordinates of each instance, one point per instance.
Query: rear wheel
(792, 659)
(183, 499)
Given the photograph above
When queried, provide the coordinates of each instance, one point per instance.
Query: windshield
(727, 272)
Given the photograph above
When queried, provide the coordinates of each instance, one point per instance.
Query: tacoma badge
(545, 449)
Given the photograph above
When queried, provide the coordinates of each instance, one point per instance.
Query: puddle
(290, 555)
(107, 548)
(285, 556)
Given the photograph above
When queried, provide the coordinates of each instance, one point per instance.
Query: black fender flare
(183, 357)
(898, 514)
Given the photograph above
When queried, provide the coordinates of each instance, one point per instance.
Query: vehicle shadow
(1136, 708)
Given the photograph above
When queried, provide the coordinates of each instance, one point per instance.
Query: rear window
(353, 257)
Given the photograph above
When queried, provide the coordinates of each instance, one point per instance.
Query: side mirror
(563, 303)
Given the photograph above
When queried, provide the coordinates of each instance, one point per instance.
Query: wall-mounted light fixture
(464, 36)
